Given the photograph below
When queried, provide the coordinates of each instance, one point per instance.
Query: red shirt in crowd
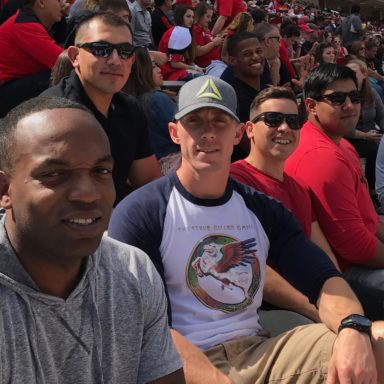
(230, 8)
(168, 72)
(204, 36)
(290, 192)
(26, 47)
(340, 196)
(284, 58)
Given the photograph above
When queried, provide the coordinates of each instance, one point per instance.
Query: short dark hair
(291, 30)
(113, 5)
(107, 18)
(324, 75)
(235, 39)
(259, 15)
(270, 93)
(9, 123)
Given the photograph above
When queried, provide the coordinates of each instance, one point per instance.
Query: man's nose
(114, 57)
(84, 188)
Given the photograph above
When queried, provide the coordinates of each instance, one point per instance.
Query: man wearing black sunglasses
(210, 236)
(274, 132)
(102, 57)
(331, 168)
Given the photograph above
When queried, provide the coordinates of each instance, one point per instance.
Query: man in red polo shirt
(330, 166)
(28, 52)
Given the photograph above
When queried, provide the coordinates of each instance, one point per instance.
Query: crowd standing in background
(168, 102)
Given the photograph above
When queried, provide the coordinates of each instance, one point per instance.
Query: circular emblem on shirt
(224, 272)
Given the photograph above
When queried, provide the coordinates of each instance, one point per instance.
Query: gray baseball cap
(206, 91)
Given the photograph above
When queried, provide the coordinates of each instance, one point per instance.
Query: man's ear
(249, 129)
(73, 53)
(5, 199)
(232, 60)
(173, 132)
(311, 106)
(239, 133)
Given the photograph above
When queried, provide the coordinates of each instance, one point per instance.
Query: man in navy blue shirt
(210, 236)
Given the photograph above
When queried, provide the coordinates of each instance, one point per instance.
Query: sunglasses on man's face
(338, 98)
(275, 119)
(105, 49)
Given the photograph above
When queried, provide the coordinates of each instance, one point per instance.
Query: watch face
(361, 320)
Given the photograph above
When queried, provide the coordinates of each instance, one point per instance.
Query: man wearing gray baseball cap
(210, 236)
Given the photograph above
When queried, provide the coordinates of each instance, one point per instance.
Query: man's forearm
(219, 25)
(336, 302)
(280, 293)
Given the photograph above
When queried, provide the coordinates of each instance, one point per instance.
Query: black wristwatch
(358, 322)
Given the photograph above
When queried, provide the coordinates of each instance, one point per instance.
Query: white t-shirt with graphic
(211, 254)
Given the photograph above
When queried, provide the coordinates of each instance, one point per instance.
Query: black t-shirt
(126, 127)
(245, 93)
(160, 24)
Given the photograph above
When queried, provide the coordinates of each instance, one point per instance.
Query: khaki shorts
(298, 356)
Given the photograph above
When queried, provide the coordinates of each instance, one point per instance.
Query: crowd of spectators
(122, 63)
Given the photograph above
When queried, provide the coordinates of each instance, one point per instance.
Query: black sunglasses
(105, 49)
(338, 98)
(275, 119)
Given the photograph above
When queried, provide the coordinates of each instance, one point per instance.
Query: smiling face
(60, 192)
(334, 120)
(268, 144)
(206, 138)
(249, 58)
(101, 77)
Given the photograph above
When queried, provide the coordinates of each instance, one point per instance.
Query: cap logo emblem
(209, 89)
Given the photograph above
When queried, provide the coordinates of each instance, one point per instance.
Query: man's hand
(218, 40)
(307, 63)
(352, 359)
(160, 58)
(373, 135)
